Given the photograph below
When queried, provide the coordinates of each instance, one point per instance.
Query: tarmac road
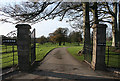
(60, 65)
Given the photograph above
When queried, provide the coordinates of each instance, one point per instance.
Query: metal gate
(8, 53)
(88, 54)
(33, 46)
(89, 50)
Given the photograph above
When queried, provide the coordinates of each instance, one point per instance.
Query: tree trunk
(86, 25)
(60, 43)
(114, 25)
(95, 13)
(119, 25)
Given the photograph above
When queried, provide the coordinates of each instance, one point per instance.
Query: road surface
(60, 65)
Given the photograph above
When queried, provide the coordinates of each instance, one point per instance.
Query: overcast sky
(42, 28)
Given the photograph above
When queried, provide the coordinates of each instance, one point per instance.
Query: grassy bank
(74, 52)
(42, 50)
(114, 60)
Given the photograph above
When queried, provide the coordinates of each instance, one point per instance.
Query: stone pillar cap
(99, 26)
(24, 26)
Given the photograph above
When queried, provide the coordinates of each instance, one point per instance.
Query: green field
(6, 59)
(108, 43)
(114, 60)
(74, 52)
(41, 50)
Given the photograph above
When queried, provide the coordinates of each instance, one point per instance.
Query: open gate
(88, 54)
(89, 51)
(33, 46)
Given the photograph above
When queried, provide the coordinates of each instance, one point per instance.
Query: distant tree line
(61, 36)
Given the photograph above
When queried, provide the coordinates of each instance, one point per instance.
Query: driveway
(60, 65)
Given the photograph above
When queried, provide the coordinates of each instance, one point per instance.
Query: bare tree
(33, 12)
(103, 12)
(111, 11)
(109, 15)
(119, 30)
(86, 25)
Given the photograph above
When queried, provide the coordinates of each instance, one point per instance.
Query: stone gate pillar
(99, 46)
(23, 46)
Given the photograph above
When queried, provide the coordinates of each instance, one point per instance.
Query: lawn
(42, 50)
(6, 59)
(114, 60)
(74, 52)
(108, 43)
(114, 57)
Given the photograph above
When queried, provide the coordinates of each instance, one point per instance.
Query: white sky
(42, 28)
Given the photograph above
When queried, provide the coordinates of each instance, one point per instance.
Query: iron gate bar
(33, 46)
(112, 61)
(9, 44)
(9, 52)
(88, 54)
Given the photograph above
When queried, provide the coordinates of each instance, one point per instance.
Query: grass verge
(42, 50)
(74, 52)
(6, 57)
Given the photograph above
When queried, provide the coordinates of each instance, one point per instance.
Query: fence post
(23, 42)
(99, 46)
